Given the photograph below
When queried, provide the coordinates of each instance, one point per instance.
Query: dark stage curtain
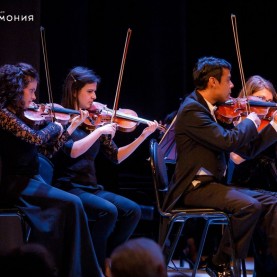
(19, 32)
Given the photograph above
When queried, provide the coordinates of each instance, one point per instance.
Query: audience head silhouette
(30, 260)
(139, 257)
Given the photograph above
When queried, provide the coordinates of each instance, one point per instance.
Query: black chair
(14, 228)
(179, 216)
(46, 168)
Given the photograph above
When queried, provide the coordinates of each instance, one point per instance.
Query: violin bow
(236, 38)
(115, 106)
(46, 67)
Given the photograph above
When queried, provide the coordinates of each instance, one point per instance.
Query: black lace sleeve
(50, 149)
(11, 123)
(109, 148)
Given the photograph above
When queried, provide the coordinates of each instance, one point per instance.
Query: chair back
(159, 172)
(46, 168)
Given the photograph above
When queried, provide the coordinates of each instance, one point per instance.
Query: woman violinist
(57, 219)
(115, 217)
(258, 174)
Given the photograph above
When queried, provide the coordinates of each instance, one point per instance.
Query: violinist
(259, 173)
(114, 217)
(203, 145)
(54, 215)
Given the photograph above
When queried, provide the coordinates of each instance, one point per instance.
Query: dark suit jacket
(202, 142)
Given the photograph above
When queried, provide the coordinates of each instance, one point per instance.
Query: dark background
(167, 39)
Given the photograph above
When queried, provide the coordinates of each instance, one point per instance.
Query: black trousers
(253, 212)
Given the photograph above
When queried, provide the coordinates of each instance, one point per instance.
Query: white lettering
(9, 18)
(16, 18)
(19, 18)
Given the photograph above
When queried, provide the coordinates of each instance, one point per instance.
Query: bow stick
(236, 38)
(50, 95)
(115, 106)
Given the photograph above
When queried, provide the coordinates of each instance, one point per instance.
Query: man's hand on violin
(274, 116)
(254, 117)
(152, 127)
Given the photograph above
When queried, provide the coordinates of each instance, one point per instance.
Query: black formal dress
(57, 218)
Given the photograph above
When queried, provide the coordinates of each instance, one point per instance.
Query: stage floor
(185, 271)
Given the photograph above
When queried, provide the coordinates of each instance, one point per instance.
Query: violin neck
(64, 110)
(262, 103)
(131, 117)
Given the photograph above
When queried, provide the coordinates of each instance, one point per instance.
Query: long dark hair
(13, 80)
(76, 79)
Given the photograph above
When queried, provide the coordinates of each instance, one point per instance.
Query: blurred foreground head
(139, 257)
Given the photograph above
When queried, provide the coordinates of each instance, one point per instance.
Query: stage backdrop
(19, 32)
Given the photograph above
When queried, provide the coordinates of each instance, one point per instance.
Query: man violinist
(203, 146)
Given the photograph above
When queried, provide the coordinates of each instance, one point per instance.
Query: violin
(99, 114)
(238, 108)
(235, 109)
(39, 114)
(127, 120)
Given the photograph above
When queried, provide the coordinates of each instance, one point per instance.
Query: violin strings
(236, 38)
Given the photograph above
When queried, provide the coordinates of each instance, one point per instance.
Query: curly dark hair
(13, 79)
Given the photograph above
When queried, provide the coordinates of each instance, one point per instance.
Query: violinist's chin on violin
(236, 109)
